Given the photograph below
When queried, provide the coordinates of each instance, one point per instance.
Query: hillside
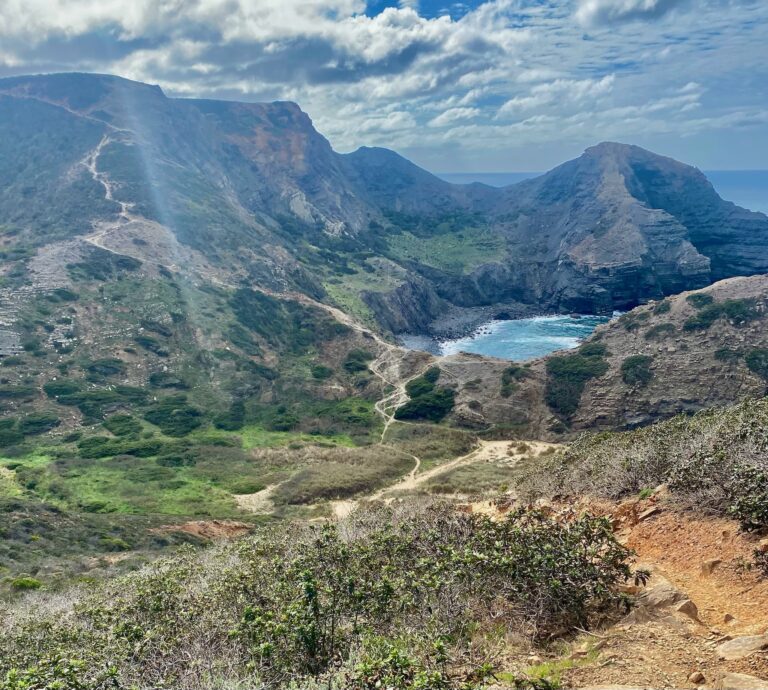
(699, 349)
(197, 300)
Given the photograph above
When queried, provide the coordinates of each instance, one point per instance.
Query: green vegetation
(663, 307)
(660, 331)
(510, 379)
(288, 325)
(699, 300)
(93, 402)
(726, 354)
(412, 601)
(102, 265)
(568, 374)
(757, 361)
(636, 370)
(739, 311)
(343, 473)
(174, 415)
(427, 400)
(713, 461)
(457, 252)
(357, 361)
(102, 368)
(632, 320)
(151, 344)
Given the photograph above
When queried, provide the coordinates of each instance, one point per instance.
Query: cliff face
(611, 229)
(254, 191)
(699, 349)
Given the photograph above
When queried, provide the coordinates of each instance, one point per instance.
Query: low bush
(321, 372)
(510, 379)
(25, 584)
(166, 379)
(427, 400)
(152, 345)
(18, 392)
(174, 415)
(233, 419)
(286, 324)
(386, 601)
(714, 461)
(699, 300)
(636, 370)
(726, 354)
(38, 423)
(739, 311)
(108, 366)
(660, 331)
(122, 425)
(568, 374)
(662, 307)
(357, 361)
(757, 362)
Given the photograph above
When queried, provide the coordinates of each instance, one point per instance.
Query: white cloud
(558, 92)
(453, 115)
(502, 76)
(591, 12)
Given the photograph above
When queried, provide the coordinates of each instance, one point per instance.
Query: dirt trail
(703, 559)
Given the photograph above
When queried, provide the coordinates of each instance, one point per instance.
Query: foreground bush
(396, 599)
(715, 461)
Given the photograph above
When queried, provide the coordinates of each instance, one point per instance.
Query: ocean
(518, 340)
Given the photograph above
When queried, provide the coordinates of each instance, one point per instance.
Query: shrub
(725, 354)
(568, 374)
(510, 378)
(234, 419)
(636, 370)
(740, 311)
(398, 598)
(286, 324)
(662, 307)
(151, 345)
(109, 366)
(433, 406)
(357, 361)
(757, 361)
(25, 583)
(713, 461)
(174, 415)
(660, 331)
(632, 320)
(54, 389)
(699, 300)
(427, 400)
(122, 425)
(321, 372)
(38, 423)
(166, 379)
(10, 437)
(17, 392)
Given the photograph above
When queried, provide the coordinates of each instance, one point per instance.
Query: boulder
(688, 608)
(662, 595)
(740, 681)
(741, 647)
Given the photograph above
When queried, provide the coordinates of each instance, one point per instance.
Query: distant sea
(747, 188)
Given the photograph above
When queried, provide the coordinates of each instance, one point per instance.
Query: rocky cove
(516, 339)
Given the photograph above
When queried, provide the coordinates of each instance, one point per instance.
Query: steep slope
(253, 190)
(696, 350)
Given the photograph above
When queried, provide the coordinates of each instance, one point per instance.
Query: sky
(503, 85)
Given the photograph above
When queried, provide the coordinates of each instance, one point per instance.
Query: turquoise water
(524, 339)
